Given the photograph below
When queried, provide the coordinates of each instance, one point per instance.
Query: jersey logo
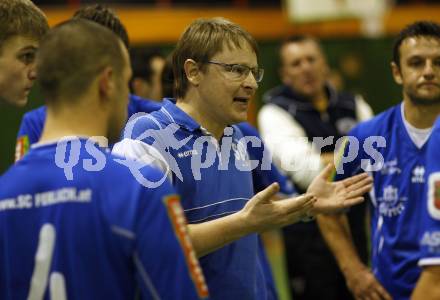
(434, 195)
(391, 167)
(177, 217)
(431, 240)
(391, 204)
(22, 147)
(418, 174)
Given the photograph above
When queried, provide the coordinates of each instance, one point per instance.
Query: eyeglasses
(240, 72)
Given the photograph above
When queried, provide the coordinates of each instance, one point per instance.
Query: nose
(250, 82)
(32, 72)
(428, 70)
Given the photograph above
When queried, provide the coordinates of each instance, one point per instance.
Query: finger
(327, 172)
(266, 194)
(360, 191)
(375, 295)
(352, 201)
(382, 292)
(352, 180)
(360, 184)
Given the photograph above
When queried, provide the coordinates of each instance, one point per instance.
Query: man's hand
(262, 212)
(363, 285)
(335, 196)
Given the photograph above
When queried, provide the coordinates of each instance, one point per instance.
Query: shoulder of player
(379, 125)
(37, 115)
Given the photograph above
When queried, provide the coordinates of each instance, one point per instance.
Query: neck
(75, 120)
(320, 101)
(420, 116)
(201, 115)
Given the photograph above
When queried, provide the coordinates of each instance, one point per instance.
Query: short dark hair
(21, 17)
(106, 17)
(167, 79)
(299, 38)
(201, 40)
(72, 54)
(141, 59)
(417, 29)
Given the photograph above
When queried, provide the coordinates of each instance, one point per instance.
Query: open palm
(335, 196)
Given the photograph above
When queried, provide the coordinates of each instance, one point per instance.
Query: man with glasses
(216, 73)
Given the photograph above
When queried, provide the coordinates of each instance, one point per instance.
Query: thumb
(267, 194)
(327, 172)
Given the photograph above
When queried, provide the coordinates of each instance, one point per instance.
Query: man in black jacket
(301, 123)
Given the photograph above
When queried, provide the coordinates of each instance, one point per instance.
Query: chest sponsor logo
(418, 174)
(434, 195)
(391, 167)
(431, 240)
(391, 204)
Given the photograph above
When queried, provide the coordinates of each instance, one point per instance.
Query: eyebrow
(29, 48)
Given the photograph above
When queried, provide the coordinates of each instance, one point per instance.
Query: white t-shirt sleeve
(292, 152)
(363, 109)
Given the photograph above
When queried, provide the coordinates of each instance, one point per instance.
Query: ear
(396, 73)
(139, 86)
(106, 83)
(192, 72)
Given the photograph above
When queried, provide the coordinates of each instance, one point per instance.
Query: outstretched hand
(262, 212)
(335, 196)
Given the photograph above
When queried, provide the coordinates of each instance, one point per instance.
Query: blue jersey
(430, 220)
(32, 124)
(98, 234)
(209, 191)
(395, 199)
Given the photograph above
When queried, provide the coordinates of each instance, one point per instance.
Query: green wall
(373, 81)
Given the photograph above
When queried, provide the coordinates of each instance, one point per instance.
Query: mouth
(429, 84)
(243, 100)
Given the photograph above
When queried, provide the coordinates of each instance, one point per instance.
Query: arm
(289, 145)
(264, 212)
(428, 287)
(31, 127)
(363, 110)
(261, 213)
(360, 280)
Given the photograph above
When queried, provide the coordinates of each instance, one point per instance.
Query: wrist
(349, 269)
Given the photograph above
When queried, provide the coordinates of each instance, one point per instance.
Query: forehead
(299, 49)
(18, 42)
(420, 46)
(231, 53)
